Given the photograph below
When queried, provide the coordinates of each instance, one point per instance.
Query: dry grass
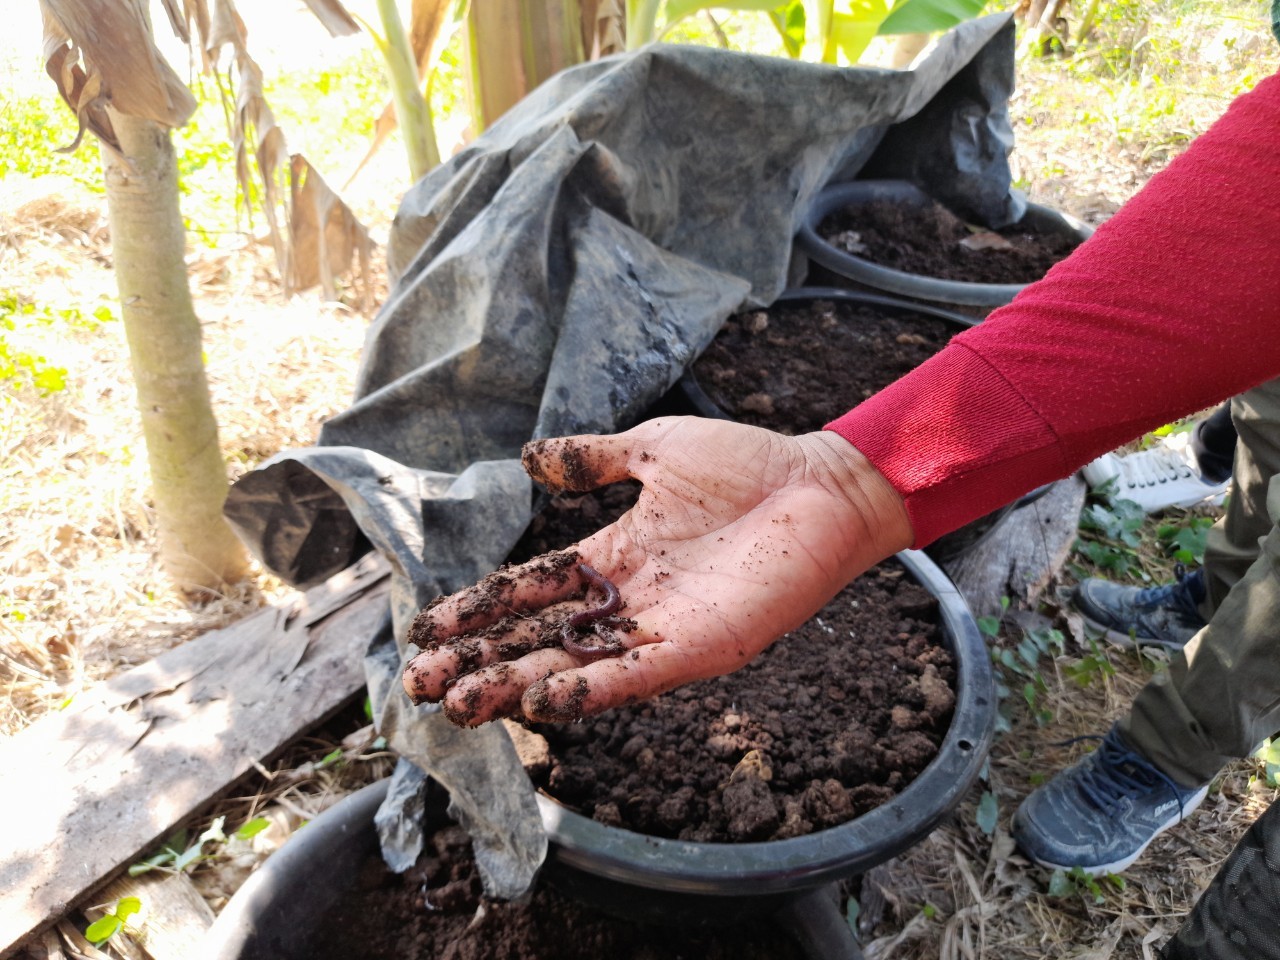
(81, 595)
(988, 901)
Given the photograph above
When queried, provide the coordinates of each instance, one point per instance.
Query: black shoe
(1166, 616)
(1101, 812)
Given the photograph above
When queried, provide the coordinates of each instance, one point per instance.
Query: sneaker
(1167, 475)
(1166, 616)
(1101, 812)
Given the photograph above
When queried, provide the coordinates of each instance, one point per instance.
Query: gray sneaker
(1166, 616)
(1101, 812)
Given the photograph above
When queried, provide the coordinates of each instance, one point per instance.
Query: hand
(739, 536)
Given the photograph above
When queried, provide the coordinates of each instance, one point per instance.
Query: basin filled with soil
(840, 746)
(891, 236)
(328, 896)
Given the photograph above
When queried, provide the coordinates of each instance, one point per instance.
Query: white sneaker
(1164, 476)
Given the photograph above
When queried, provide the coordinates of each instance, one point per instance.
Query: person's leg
(1233, 541)
(1218, 698)
(1222, 694)
(1235, 919)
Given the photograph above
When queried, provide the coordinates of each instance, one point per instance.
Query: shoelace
(1154, 466)
(1118, 773)
(1179, 592)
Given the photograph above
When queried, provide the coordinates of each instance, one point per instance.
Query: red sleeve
(1172, 306)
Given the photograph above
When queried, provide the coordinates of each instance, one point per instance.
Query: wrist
(847, 472)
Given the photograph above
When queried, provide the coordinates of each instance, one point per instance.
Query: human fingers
(495, 691)
(430, 673)
(491, 684)
(509, 591)
(643, 672)
(582, 463)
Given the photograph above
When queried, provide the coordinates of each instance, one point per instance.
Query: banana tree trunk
(197, 547)
(514, 45)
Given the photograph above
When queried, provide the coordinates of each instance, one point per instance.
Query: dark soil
(436, 911)
(832, 721)
(928, 242)
(798, 366)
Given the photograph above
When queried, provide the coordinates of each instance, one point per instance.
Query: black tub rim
(835, 196)
(799, 864)
(304, 875)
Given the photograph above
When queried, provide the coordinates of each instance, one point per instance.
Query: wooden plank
(89, 789)
(1020, 556)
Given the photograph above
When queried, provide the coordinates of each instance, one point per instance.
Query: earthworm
(612, 601)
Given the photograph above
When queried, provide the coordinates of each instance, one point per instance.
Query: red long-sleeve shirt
(1173, 305)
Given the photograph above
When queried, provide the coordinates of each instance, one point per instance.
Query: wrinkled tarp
(556, 277)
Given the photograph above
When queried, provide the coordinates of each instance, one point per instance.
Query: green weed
(176, 855)
(34, 129)
(1019, 669)
(1269, 754)
(1075, 882)
(107, 926)
(1186, 540)
(1094, 667)
(22, 367)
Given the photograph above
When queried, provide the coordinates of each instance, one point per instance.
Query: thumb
(582, 463)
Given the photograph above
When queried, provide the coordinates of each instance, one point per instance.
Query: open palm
(739, 536)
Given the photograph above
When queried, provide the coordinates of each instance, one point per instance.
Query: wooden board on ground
(90, 788)
(1024, 551)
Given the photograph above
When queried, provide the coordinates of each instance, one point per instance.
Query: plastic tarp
(556, 277)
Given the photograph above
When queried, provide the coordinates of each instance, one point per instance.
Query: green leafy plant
(1019, 668)
(1187, 539)
(1269, 754)
(851, 912)
(251, 828)
(176, 856)
(1095, 666)
(988, 812)
(20, 316)
(1075, 882)
(831, 31)
(1110, 533)
(34, 128)
(107, 926)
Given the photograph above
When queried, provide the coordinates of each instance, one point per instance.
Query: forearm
(1172, 306)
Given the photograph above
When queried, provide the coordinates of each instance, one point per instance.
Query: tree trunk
(197, 547)
(513, 46)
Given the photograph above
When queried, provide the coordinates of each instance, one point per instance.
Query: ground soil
(797, 366)
(833, 720)
(436, 911)
(928, 242)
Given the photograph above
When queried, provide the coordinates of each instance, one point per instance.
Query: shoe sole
(1101, 869)
(1127, 642)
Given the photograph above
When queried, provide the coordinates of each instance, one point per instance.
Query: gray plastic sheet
(556, 277)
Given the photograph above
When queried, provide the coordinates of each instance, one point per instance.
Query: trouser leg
(1235, 919)
(1221, 695)
(1233, 541)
